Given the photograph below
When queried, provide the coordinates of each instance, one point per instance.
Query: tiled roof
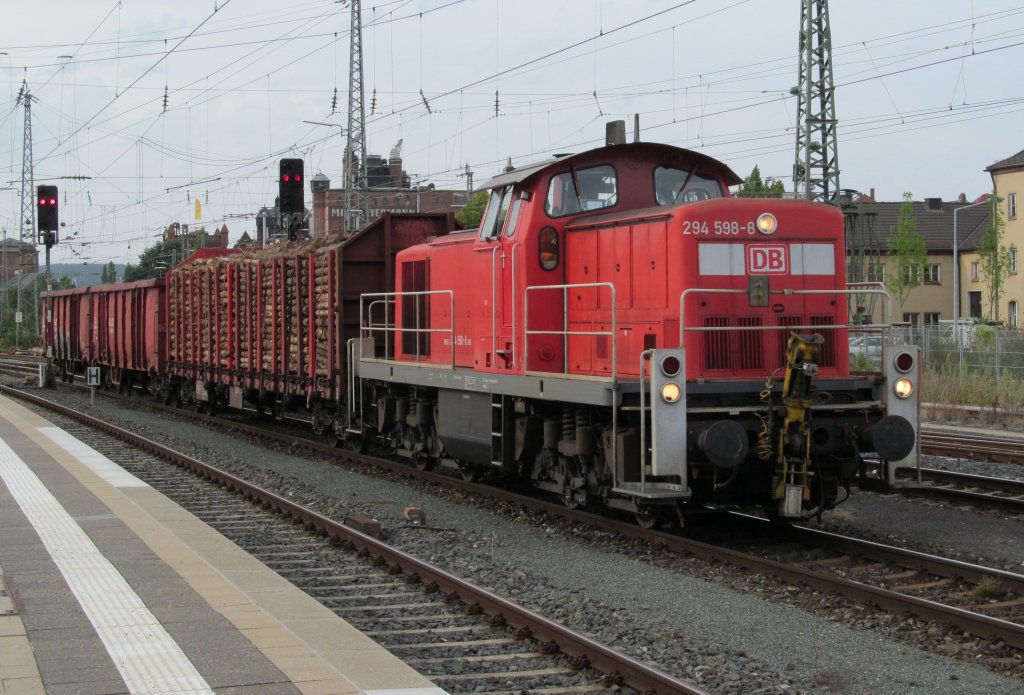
(935, 225)
(1014, 162)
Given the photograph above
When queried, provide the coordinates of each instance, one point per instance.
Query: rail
(369, 329)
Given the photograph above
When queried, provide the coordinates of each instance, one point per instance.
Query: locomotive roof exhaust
(615, 131)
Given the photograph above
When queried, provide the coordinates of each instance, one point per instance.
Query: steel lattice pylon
(355, 151)
(28, 193)
(816, 169)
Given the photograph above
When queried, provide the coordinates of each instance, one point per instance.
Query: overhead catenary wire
(524, 104)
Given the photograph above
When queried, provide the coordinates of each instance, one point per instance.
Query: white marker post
(92, 377)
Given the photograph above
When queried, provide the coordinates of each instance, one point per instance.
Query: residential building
(932, 300)
(197, 237)
(1008, 183)
(15, 256)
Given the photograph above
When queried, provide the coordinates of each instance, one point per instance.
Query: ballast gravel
(716, 626)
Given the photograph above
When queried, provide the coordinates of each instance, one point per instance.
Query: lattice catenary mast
(816, 170)
(356, 183)
(28, 189)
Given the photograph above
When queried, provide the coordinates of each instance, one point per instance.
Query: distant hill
(83, 275)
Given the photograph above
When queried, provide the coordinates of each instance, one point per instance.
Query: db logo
(766, 259)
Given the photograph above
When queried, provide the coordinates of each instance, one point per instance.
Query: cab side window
(497, 211)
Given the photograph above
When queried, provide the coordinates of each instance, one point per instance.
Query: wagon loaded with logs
(269, 327)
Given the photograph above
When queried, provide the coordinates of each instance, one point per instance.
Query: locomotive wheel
(359, 443)
(470, 475)
(569, 500)
(424, 462)
(646, 521)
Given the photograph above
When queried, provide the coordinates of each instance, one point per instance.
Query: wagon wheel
(469, 474)
(646, 520)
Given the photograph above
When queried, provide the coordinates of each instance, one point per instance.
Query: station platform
(107, 586)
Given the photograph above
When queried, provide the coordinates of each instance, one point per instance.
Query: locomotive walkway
(108, 586)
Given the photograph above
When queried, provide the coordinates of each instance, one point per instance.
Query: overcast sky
(927, 93)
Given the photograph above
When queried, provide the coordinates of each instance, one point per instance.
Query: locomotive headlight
(903, 388)
(766, 223)
(670, 392)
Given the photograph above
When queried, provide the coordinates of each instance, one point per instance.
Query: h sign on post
(92, 378)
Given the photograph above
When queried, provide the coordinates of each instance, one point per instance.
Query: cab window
(497, 210)
(674, 186)
(582, 190)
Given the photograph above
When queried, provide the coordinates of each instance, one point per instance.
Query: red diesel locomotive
(619, 331)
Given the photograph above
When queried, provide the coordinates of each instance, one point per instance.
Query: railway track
(21, 366)
(979, 490)
(463, 637)
(977, 600)
(968, 445)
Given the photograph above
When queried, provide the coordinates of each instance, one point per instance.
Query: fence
(992, 351)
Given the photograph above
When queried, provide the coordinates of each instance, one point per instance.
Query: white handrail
(565, 332)
(368, 328)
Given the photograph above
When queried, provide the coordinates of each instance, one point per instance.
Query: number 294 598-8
(717, 227)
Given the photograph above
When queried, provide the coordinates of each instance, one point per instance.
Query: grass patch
(988, 588)
(999, 401)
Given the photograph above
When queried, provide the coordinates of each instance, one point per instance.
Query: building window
(876, 273)
(1013, 260)
(913, 319)
(931, 318)
(974, 271)
(974, 301)
(932, 274)
(1011, 206)
(1012, 319)
(910, 275)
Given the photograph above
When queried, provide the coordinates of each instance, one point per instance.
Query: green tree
(473, 212)
(908, 251)
(754, 187)
(32, 307)
(993, 258)
(157, 260)
(109, 273)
